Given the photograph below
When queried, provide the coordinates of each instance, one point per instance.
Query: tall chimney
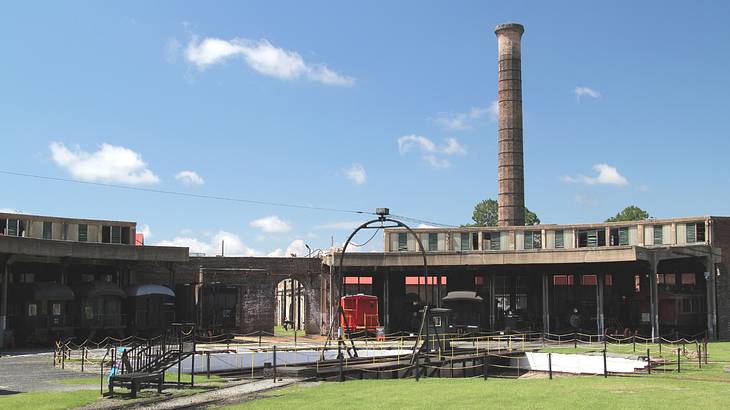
(511, 195)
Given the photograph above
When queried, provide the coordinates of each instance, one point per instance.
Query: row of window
(586, 238)
(109, 233)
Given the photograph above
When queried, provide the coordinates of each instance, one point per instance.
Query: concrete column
(492, 313)
(4, 304)
(711, 298)
(546, 303)
(386, 302)
(654, 298)
(600, 320)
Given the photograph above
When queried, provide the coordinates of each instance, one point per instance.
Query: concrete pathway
(21, 373)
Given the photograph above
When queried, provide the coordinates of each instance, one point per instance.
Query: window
(637, 283)
(619, 236)
(465, 241)
(47, 227)
(689, 279)
(588, 280)
(658, 235)
(666, 279)
(56, 309)
(690, 305)
(559, 239)
(533, 240)
(608, 280)
(83, 232)
(696, 232)
(433, 242)
(591, 238)
(87, 277)
(106, 234)
(474, 241)
(26, 278)
(116, 234)
(108, 278)
(494, 241)
(125, 235)
(13, 227)
(563, 280)
(402, 242)
(479, 280)
(32, 309)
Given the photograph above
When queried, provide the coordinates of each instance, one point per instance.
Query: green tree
(630, 213)
(485, 214)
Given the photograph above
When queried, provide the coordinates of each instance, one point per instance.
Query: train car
(465, 311)
(150, 309)
(41, 312)
(361, 312)
(99, 309)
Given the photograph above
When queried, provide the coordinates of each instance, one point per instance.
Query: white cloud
(189, 178)
(455, 121)
(345, 225)
(271, 224)
(296, 247)
(173, 50)
(234, 246)
(585, 91)
(145, 230)
(356, 173)
(607, 175)
(432, 153)
(263, 57)
(109, 164)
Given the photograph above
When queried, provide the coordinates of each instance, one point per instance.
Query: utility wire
(213, 197)
(368, 241)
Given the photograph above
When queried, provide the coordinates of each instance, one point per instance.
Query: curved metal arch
(398, 224)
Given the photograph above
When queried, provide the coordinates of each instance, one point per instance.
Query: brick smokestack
(511, 195)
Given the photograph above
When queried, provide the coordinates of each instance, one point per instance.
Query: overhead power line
(204, 196)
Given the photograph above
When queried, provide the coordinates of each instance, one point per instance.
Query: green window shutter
(691, 233)
(83, 232)
(433, 241)
(592, 239)
(494, 241)
(116, 234)
(623, 236)
(465, 241)
(402, 242)
(12, 227)
(658, 235)
(559, 239)
(47, 226)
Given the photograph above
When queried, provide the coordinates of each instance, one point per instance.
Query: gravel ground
(225, 395)
(34, 372)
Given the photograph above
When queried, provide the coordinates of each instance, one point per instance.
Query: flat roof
(20, 215)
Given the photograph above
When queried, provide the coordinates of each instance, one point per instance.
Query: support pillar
(653, 298)
(600, 320)
(386, 302)
(4, 304)
(710, 279)
(492, 296)
(545, 303)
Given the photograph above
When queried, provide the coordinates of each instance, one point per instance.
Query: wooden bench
(135, 381)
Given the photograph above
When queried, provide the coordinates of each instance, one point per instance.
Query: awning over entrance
(96, 289)
(149, 289)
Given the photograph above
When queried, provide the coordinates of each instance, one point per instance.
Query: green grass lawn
(280, 331)
(49, 400)
(692, 388)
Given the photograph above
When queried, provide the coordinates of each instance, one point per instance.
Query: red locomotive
(361, 312)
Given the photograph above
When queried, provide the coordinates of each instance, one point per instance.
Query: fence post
(605, 365)
(550, 365)
(633, 340)
(418, 366)
(63, 357)
(274, 360)
(83, 359)
(705, 350)
(207, 360)
(260, 331)
(699, 355)
(575, 340)
(341, 377)
(679, 359)
(485, 365)
(660, 346)
(648, 362)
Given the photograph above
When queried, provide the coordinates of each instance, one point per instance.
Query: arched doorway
(290, 312)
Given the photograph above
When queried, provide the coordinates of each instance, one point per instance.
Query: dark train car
(218, 305)
(41, 312)
(465, 311)
(99, 309)
(150, 309)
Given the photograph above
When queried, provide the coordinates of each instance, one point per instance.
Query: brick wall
(721, 240)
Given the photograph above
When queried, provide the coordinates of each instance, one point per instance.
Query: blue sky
(305, 103)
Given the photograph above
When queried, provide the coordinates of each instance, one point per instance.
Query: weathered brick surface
(256, 279)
